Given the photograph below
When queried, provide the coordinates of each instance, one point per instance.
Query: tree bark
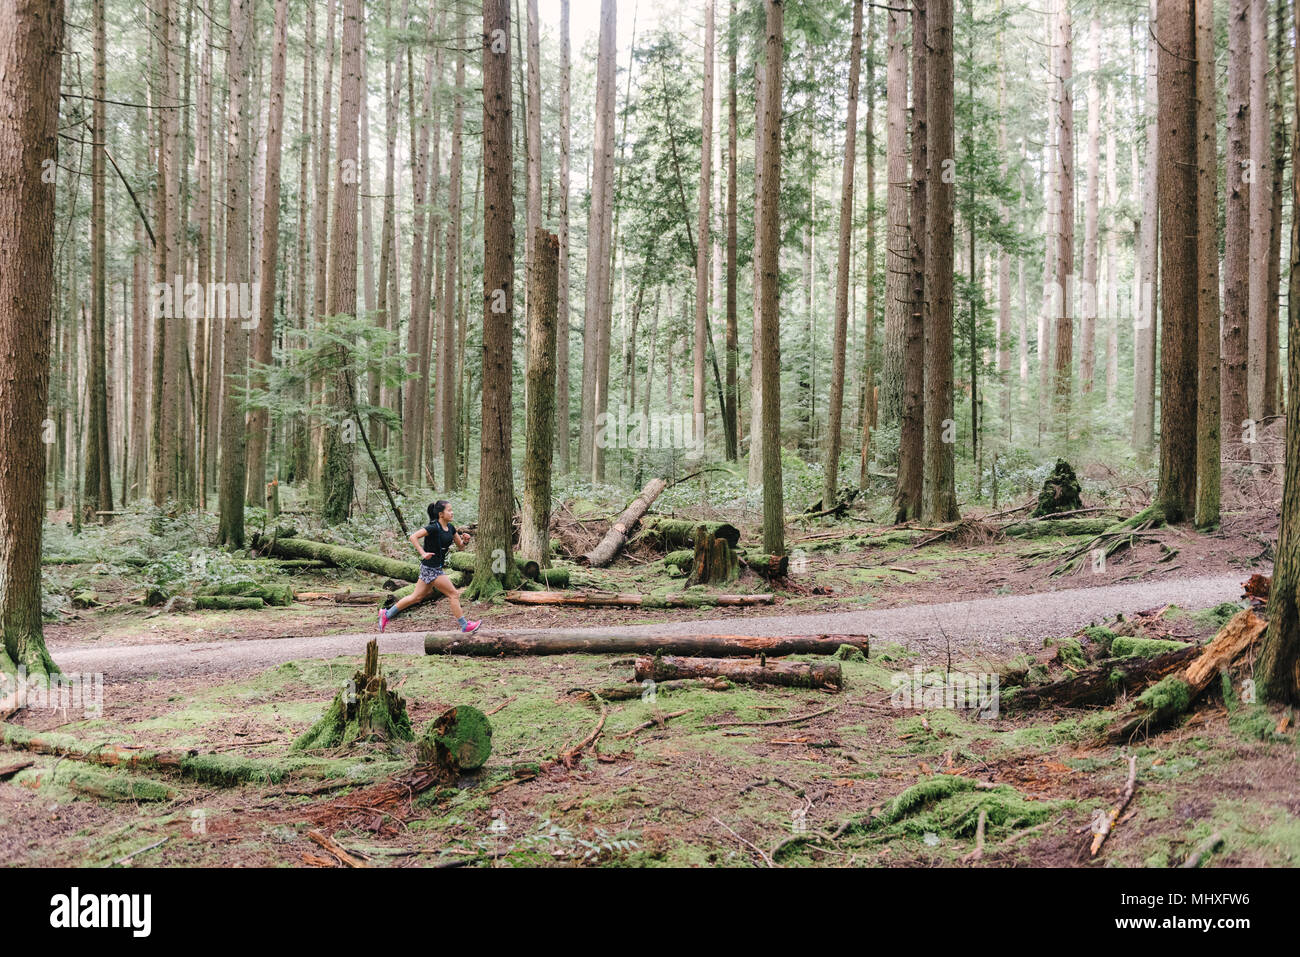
(1207, 274)
(1145, 314)
(702, 234)
(770, 317)
(1278, 669)
(539, 437)
(911, 436)
(563, 442)
(451, 280)
(31, 49)
(731, 409)
(259, 419)
(898, 238)
(1091, 248)
(1178, 347)
(715, 649)
(940, 499)
(1260, 215)
(834, 421)
(496, 484)
(230, 531)
(792, 674)
(1064, 336)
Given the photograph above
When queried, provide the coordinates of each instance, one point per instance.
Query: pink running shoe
(471, 626)
(383, 619)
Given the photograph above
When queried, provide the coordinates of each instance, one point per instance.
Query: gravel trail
(984, 627)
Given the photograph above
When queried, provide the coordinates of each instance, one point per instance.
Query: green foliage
(1132, 647)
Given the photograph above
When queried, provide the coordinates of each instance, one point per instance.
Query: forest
(902, 391)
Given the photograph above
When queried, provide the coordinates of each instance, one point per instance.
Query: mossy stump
(366, 710)
(458, 740)
(715, 561)
(1060, 492)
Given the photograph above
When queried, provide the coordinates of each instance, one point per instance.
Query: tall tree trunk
(1145, 314)
(1051, 221)
(598, 226)
(1260, 214)
(342, 300)
(1278, 668)
(533, 153)
(831, 468)
(940, 501)
(731, 411)
(770, 316)
(496, 484)
(31, 51)
(446, 347)
(911, 439)
(1207, 274)
(1272, 383)
(898, 239)
(1178, 345)
(259, 419)
(230, 530)
(1091, 245)
(202, 226)
(99, 484)
(702, 234)
(756, 347)
(1004, 257)
(1064, 337)
(320, 241)
(539, 438)
(562, 437)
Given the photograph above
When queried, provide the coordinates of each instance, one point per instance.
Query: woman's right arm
(415, 540)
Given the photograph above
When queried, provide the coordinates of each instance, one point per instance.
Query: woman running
(438, 537)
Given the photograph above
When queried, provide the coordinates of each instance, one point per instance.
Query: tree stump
(459, 740)
(363, 711)
(1060, 492)
(715, 561)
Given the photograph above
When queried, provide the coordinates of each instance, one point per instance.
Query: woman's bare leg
(444, 585)
(422, 592)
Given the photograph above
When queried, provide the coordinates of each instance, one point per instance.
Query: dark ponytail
(436, 509)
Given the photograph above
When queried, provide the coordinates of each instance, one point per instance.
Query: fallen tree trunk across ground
(567, 643)
(795, 674)
(342, 557)
(1175, 693)
(614, 539)
(631, 599)
(1102, 684)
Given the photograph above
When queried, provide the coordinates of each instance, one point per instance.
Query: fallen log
(614, 539)
(342, 597)
(227, 602)
(629, 691)
(577, 642)
(342, 557)
(1101, 684)
(674, 533)
(98, 784)
(765, 565)
(1175, 694)
(794, 674)
(270, 594)
(589, 599)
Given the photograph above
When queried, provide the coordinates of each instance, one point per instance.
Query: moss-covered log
(612, 543)
(586, 599)
(270, 594)
(589, 643)
(227, 603)
(765, 565)
(366, 710)
(1165, 701)
(674, 533)
(1056, 527)
(795, 674)
(99, 784)
(342, 557)
(1102, 684)
(458, 740)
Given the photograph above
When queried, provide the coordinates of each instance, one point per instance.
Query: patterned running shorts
(428, 573)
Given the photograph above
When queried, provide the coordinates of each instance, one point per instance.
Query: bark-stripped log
(591, 599)
(581, 642)
(797, 674)
(609, 546)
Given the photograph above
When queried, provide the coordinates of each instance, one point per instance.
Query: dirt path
(992, 627)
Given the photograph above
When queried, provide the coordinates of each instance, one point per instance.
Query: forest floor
(713, 785)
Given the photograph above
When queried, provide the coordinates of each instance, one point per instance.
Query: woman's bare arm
(416, 536)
